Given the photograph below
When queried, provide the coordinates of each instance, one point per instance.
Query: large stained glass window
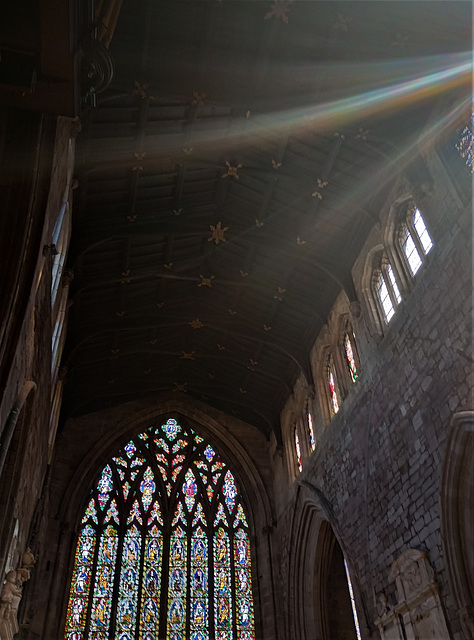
(163, 548)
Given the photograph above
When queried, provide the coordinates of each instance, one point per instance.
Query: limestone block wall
(376, 472)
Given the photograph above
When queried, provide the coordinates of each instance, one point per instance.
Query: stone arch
(209, 425)
(316, 566)
(457, 515)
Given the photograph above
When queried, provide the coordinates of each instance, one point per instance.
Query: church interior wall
(376, 469)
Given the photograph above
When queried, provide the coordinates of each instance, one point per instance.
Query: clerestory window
(333, 391)
(163, 548)
(414, 238)
(311, 436)
(298, 450)
(386, 289)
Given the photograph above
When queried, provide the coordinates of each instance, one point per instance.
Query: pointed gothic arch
(163, 546)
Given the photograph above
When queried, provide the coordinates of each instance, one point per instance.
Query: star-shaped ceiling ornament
(206, 282)
(154, 341)
(232, 312)
(336, 134)
(266, 327)
(120, 314)
(187, 356)
(232, 172)
(125, 277)
(275, 164)
(217, 233)
(279, 9)
(242, 390)
(176, 212)
(196, 324)
(362, 134)
(220, 347)
(198, 98)
(141, 90)
(211, 376)
(299, 241)
(132, 218)
(279, 294)
(160, 305)
(168, 265)
(180, 387)
(342, 23)
(258, 223)
(243, 273)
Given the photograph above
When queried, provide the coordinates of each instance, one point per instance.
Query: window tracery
(414, 238)
(163, 548)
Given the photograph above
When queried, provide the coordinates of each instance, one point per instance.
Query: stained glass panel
(127, 606)
(151, 585)
(465, 146)
(158, 482)
(176, 623)
(199, 605)
(222, 584)
(298, 450)
(81, 582)
(350, 358)
(244, 603)
(103, 585)
(312, 439)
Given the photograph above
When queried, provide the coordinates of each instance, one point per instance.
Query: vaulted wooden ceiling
(227, 181)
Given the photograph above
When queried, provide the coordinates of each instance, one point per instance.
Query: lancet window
(163, 548)
(299, 461)
(333, 392)
(415, 240)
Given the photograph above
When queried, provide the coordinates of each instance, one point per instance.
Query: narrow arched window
(332, 386)
(298, 450)
(350, 359)
(163, 548)
(415, 240)
(386, 289)
(309, 422)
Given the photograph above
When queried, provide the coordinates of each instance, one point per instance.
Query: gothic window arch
(332, 387)
(414, 239)
(163, 547)
(385, 288)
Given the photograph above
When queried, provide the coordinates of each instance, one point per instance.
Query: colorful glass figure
(127, 605)
(222, 583)
(242, 573)
(350, 358)
(81, 581)
(167, 478)
(298, 450)
(309, 420)
(333, 392)
(465, 146)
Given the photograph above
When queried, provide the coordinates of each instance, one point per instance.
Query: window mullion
(165, 572)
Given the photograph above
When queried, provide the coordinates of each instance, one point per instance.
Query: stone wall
(376, 470)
